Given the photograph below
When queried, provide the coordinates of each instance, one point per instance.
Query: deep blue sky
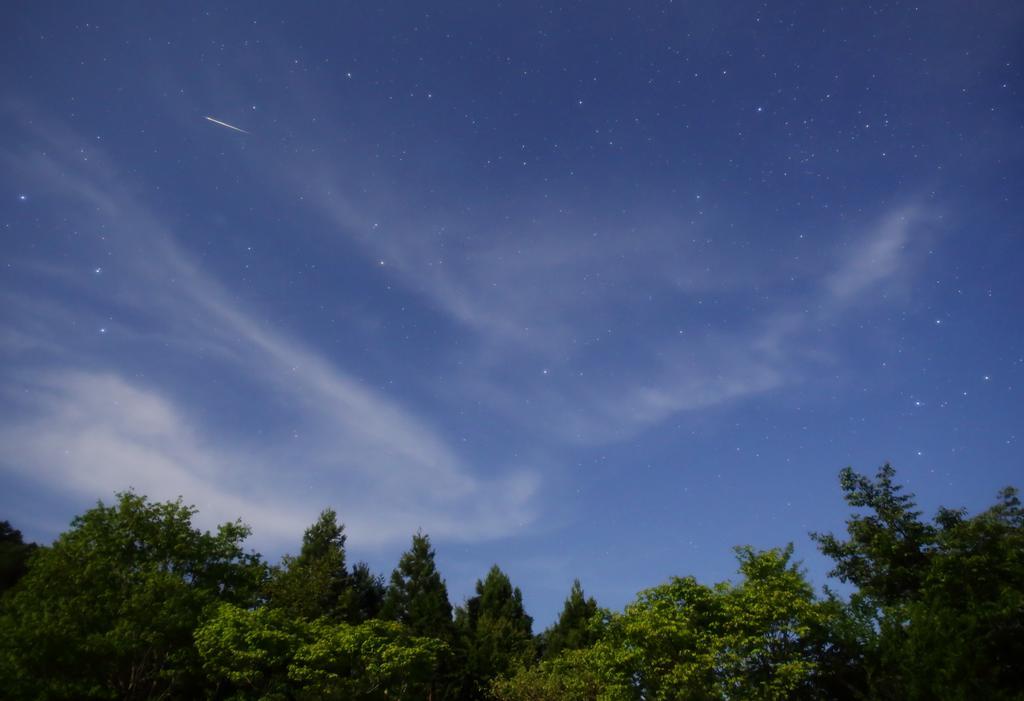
(584, 289)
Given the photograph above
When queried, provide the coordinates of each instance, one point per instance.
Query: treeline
(133, 602)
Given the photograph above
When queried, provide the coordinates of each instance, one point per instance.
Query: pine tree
(14, 555)
(572, 631)
(418, 597)
(496, 634)
(316, 582)
(365, 594)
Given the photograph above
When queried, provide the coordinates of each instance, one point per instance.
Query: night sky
(587, 290)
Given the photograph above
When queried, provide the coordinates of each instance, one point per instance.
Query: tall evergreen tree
(14, 554)
(365, 594)
(418, 597)
(573, 630)
(495, 631)
(315, 582)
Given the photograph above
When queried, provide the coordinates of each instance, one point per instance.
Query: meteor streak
(225, 124)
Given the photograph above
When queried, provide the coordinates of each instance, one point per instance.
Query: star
(22, 197)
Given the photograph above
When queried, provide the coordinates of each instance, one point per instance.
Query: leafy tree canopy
(134, 602)
(887, 552)
(108, 611)
(686, 640)
(265, 654)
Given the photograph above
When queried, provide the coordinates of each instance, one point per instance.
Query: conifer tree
(495, 631)
(365, 594)
(418, 597)
(572, 631)
(315, 583)
(14, 555)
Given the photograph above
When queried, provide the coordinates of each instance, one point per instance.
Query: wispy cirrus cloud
(547, 304)
(81, 424)
(96, 433)
(538, 282)
(875, 257)
(547, 291)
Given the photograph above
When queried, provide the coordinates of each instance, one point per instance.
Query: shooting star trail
(225, 124)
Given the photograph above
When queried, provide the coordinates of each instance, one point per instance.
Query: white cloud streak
(526, 297)
(875, 257)
(88, 430)
(531, 292)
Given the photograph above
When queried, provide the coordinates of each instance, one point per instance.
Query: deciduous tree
(109, 610)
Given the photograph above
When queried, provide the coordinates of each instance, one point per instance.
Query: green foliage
(264, 654)
(109, 610)
(374, 660)
(746, 641)
(887, 553)
(586, 674)
(315, 583)
(365, 594)
(495, 632)
(418, 597)
(133, 602)
(767, 650)
(14, 556)
(686, 640)
(573, 630)
(940, 607)
(842, 637)
(248, 651)
(964, 637)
